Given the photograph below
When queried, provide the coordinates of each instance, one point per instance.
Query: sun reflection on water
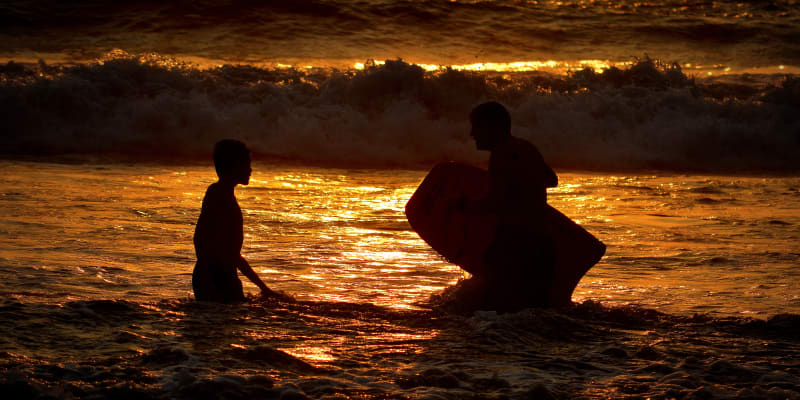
(310, 353)
(516, 66)
(676, 242)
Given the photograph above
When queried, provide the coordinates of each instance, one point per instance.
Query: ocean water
(645, 116)
(699, 86)
(674, 126)
(697, 296)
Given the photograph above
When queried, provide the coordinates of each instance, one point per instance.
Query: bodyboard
(463, 238)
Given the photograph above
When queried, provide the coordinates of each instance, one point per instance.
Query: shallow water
(681, 244)
(95, 295)
(697, 296)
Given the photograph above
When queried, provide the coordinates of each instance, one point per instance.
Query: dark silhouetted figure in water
(219, 232)
(520, 259)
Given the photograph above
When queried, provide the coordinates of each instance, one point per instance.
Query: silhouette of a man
(520, 259)
(219, 234)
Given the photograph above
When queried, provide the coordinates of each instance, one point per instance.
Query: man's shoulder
(517, 149)
(524, 144)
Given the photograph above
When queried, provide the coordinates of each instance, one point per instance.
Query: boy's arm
(247, 271)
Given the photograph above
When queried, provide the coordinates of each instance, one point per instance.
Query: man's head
(232, 161)
(491, 125)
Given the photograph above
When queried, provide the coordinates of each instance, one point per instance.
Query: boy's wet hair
(227, 153)
(491, 113)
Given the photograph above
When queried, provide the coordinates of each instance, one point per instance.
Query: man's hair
(491, 113)
(226, 153)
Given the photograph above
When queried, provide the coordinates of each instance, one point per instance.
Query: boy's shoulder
(214, 187)
(213, 191)
(216, 193)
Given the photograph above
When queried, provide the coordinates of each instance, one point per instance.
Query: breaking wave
(648, 116)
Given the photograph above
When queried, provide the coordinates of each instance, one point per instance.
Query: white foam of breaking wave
(393, 114)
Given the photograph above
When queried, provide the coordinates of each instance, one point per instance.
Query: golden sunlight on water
(676, 243)
(521, 66)
(310, 353)
(564, 66)
(552, 66)
(704, 71)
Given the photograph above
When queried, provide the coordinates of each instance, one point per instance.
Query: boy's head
(491, 125)
(232, 161)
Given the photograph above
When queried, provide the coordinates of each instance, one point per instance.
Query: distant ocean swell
(648, 116)
(727, 33)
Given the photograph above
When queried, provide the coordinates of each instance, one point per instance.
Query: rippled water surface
(722, 35)
(95, 295)
(683, 244)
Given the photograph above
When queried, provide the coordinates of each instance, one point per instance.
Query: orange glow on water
(310, 353)
(341, 235)
(598, 66)
(120, 236)
(552, 66)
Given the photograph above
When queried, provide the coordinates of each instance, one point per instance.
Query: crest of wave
(649, 115)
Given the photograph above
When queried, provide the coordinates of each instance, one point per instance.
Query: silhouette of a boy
(219, 234)
(520, 259)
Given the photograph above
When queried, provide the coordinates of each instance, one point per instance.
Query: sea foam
(649, 116)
